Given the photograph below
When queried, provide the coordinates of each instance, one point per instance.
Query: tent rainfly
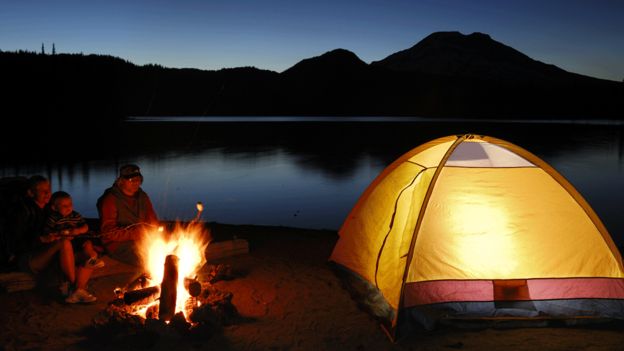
(474, 226)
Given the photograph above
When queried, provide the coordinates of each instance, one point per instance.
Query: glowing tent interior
(476, 226)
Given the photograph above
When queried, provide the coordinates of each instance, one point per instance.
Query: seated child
(64, 222)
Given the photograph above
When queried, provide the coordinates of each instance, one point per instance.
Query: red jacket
(118, 211)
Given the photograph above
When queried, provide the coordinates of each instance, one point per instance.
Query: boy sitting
(64, 222)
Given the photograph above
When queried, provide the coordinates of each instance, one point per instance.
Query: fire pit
(168, 294)
(170, 261)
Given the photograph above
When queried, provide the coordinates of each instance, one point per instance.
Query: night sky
(585, 37)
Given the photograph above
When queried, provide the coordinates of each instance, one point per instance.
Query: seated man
(125, 211)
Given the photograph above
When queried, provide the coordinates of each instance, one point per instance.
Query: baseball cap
(130, 171)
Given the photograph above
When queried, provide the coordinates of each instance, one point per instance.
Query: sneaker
(94, 263)
(80, 296)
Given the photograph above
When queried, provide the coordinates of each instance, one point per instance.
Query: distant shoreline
(362, 119)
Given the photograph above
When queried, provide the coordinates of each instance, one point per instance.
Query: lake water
(309, 172)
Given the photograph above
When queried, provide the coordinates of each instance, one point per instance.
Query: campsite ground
(291, 299)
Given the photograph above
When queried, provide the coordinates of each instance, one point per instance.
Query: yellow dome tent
(476, 226)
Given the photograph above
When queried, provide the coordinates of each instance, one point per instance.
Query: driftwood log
(169, 289)
(16, 281)
(221, 249)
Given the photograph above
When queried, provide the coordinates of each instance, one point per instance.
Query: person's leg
(84, 252)
(68, 262)
(41, 259)
(82, 277)
(88, 249)
(80, 293)
(88, 256)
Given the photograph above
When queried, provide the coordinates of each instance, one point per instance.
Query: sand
(291, 300)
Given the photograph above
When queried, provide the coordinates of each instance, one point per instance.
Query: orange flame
(187, 242)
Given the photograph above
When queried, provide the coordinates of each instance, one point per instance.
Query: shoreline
(290, 300)
(368, 119)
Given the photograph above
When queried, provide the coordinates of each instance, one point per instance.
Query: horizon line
(17, 51)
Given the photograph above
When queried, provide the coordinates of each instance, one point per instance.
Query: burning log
(141, 296)
(193, 287)
(152, 312)
(139, 282)
(169, 289)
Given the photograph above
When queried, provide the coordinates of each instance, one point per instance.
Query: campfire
(168, 293)
(171, 262)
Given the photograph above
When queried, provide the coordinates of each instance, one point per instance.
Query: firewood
(169, 289)
(119, 316)
(220, 272)
(179, 323)
(152, 312)
(138, 283)
(193, 287)
(141, 296)
(216, 308)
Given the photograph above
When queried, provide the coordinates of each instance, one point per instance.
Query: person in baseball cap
(130, 171)
(126, 214)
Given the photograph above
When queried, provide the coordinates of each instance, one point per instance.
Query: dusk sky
(585, 37)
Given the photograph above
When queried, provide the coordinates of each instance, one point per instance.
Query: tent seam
(418, 164)
(391, 225)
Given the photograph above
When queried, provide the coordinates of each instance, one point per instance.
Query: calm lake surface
(309, 172)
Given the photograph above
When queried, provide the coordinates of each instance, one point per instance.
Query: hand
(49, 238)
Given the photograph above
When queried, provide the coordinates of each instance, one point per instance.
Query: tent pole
(421, 215)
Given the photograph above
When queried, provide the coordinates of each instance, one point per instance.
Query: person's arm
(109, 229)
(49, 226)
(50, 233)
(48, 238)
(81, 225)
(79, 230)
(108, 215)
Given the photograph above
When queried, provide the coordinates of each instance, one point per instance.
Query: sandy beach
(290, 300)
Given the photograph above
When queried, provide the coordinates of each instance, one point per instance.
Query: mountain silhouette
(475, 56)
(445, 74)
(338, 62)
(334, 83)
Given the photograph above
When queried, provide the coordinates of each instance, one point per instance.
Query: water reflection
(307, 174)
